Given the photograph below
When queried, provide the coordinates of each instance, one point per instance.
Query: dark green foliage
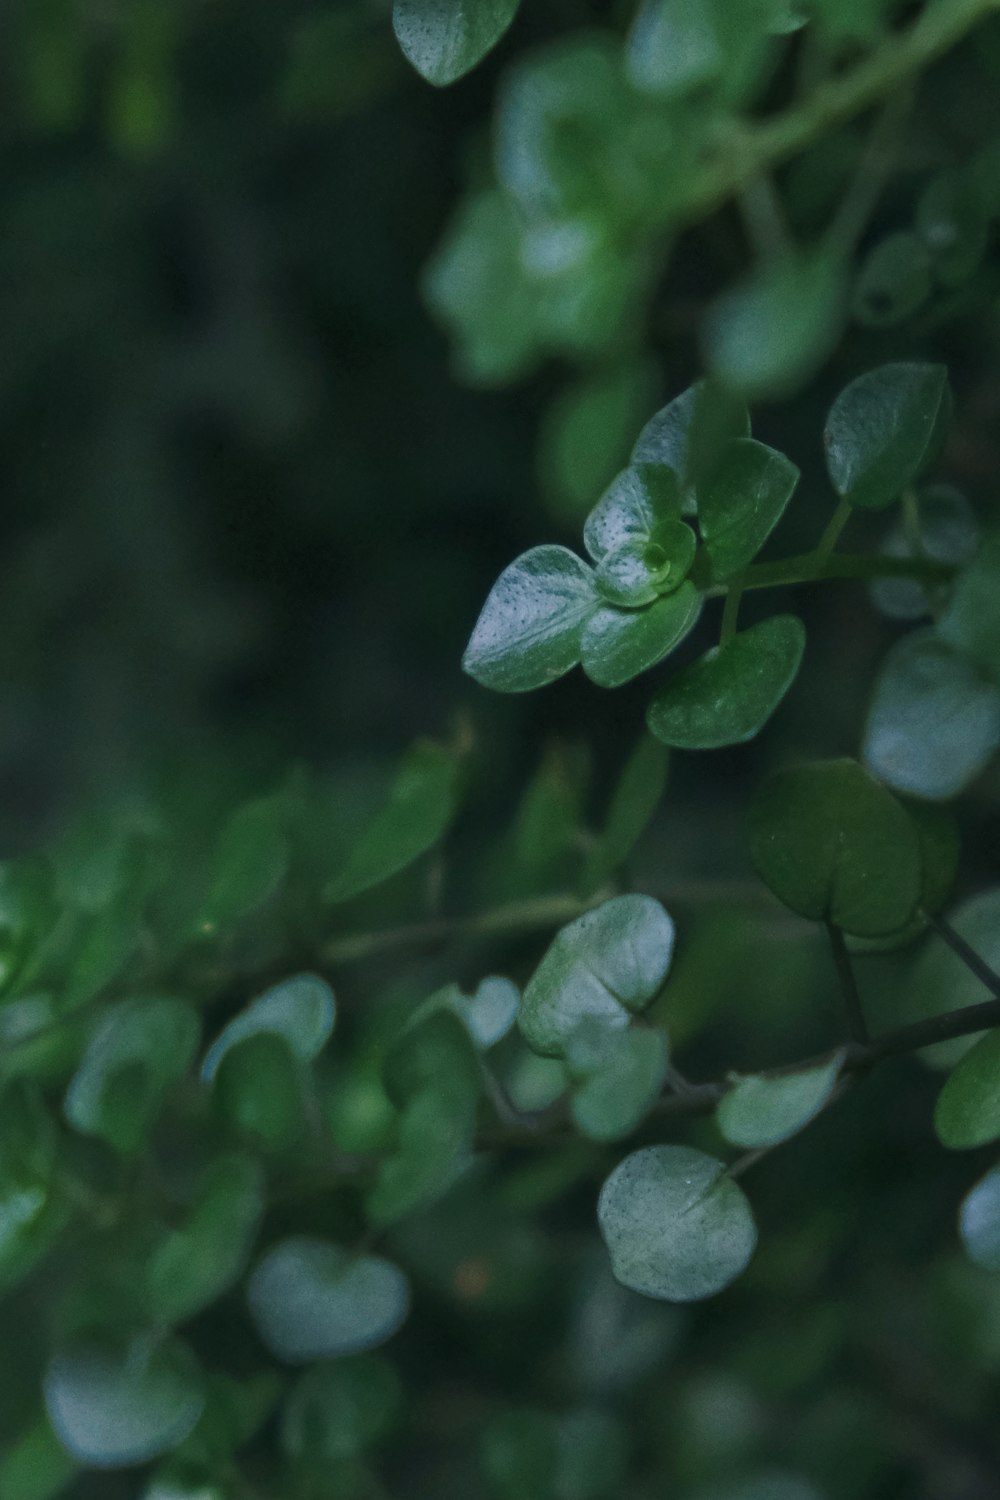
(388, 1067)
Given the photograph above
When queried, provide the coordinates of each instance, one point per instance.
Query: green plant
(370, 1135)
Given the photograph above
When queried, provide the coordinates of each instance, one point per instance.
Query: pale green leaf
(528, 633)
(979, 1221)
(112, 1407)
(311, 1299)
(934, 720)
(759, 1111)
(301, 1010)
(676, 1225)
(445, 39)
(606, 964)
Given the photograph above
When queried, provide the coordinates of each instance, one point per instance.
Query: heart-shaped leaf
(934, 720)
(196, 1263)
(676, 1225)
(618, 644)
(490, 1011)
(745, 500)
(880, 430)
(311, 1299)
(728, 695)
(300, 1010)
(445, 39)
(529, 631)
(606, 964)
(630, 509)
(834, 845)
(139, 1049)
(760, 1111)
(112, 1407)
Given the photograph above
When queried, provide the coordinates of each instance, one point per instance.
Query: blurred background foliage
(298, 353)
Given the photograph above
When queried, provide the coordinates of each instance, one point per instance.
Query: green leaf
(968, 1107)
(894, 280)
(432, 1075)
(35, 1466)
(934, 720)
(728, 695)
(939, 981)
(520, 1456)
(953, 223)
(674, 47)
(259, 1089)
(639, 570)
(765, 338)
(979, 1222)
(633, 506)
(251, 861)
(197, 1263)
(301, 1010)
(946, 530)
(490, 1012)
(835, 846)
(971, 623)
(617, 1076)
(760, 1111)
(445, 39)
(745, 500)
(880, 431)
(529, 631)
(586, 434)
(138, 1051)
(676, 1225)
(606, 964)
(339, 1410)
(689, 433)
(636, 798)
(619, 644)
(311, 1299)
(422, 806)
(112, 1407)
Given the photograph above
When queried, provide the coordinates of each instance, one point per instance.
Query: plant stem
(731, 610)
(831, 536)
(899, 57)
(856, 1024)
(808, 567)
(969, 957)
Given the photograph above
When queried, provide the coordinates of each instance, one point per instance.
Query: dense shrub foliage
(543, 1085)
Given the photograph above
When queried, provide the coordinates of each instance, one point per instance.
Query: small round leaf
(607, 963)
(676, 1225)
(835, 846)
(880, 430)
(728, 695)
(301, 1011)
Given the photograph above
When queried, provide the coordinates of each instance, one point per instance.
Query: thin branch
(808, 567)
(856, 1024)
(969, 956)
(900, 57)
